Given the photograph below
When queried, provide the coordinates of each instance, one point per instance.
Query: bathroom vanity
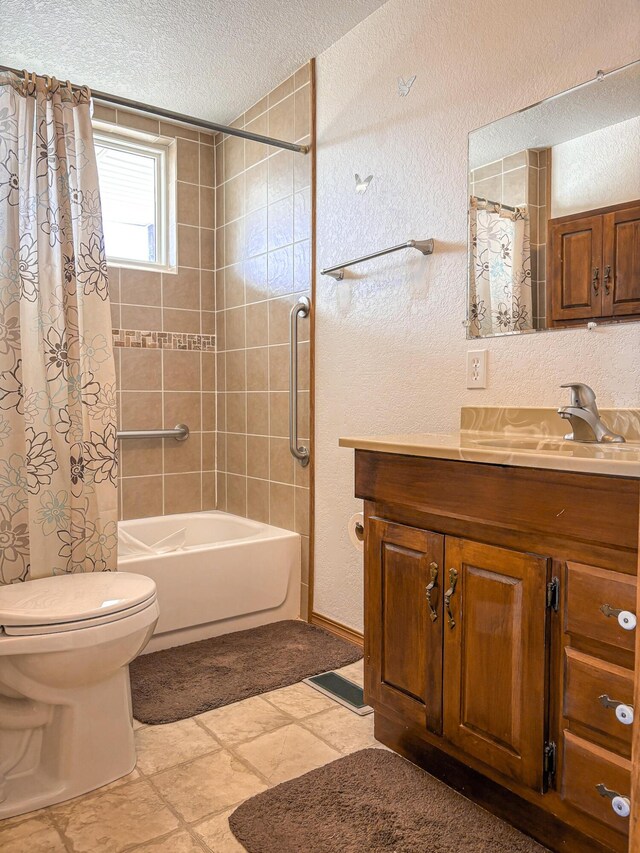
(500, 598)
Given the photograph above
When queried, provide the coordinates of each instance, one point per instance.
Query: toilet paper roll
(356, 519)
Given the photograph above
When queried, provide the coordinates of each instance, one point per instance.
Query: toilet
(65, 699)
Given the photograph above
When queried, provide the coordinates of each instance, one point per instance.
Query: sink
(555, 445)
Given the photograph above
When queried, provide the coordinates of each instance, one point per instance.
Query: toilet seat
(72, 602)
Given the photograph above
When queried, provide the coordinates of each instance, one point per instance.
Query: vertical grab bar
(301, 308)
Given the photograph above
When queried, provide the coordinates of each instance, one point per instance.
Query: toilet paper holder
(359, 531)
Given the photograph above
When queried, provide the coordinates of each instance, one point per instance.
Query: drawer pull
(453, 580)
(624, 713)
(433, 574)
(621, 805)
(626, 619)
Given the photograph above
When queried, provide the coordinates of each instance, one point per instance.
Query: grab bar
(337, 272)
(179, 432)
(301, 308)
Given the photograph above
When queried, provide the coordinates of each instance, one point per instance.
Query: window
(137, 194)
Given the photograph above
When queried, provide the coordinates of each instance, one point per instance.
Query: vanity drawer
(585, 766)
(589, 590)
(586, 680)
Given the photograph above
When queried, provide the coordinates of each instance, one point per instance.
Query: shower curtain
(500, 297)
(58, 453)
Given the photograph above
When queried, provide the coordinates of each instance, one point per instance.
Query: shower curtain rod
(179, 118)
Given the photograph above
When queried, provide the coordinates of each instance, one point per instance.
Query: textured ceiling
(207, 58)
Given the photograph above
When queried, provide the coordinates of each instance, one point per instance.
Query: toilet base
(87, 742)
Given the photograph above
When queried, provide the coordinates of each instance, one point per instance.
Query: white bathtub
(230, 574)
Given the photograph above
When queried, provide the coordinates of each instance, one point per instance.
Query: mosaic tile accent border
(137, 339)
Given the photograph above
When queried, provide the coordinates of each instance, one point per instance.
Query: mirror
(554, 211)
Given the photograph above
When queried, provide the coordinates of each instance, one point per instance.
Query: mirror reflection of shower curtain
(58, 457)
(500, 295)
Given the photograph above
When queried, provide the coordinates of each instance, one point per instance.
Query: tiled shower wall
(263, 263)
(164, 327)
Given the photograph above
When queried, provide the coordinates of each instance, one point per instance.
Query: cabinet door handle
(433, 574)
(453, 580)
(621, 805)
(595, 280)
(624, 713)
(626, 619)
(607, 279)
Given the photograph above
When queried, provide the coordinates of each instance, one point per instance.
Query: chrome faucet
(584, 416)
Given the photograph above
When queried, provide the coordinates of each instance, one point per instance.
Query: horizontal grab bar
(337, 272)
(179, 432)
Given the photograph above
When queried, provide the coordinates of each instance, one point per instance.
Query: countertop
(526, 438)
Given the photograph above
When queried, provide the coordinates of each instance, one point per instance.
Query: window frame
(163, 151)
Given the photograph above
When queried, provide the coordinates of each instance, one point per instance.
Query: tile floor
(192, 774)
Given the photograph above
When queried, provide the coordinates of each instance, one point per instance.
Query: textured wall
(390, 346)
(597, 169)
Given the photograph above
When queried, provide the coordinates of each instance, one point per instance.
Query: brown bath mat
(187, 680)
(371, 800)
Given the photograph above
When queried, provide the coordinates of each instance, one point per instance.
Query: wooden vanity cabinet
(594, 265)
(486, 648)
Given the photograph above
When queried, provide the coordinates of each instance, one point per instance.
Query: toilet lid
(73, 598)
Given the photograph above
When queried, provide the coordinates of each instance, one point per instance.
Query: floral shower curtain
(500, 298)
(58, 453)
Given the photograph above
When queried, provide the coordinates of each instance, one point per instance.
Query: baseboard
(337, 628)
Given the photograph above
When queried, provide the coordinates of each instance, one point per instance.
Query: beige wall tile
(256, 278)
(182, 493)
(280, 175)
(182, 407)
(138, 122)
(256, 185)
(141, 317)
(182, 456)
(181, 289)
(279, 413)
(181, 370)
(280, 461)
(141, 496)
(280, 228)
(233, 148)
(280, 271)
(178, 320)
(207, 248)
(258, 369)
(302, 75)
(258, 458)
(188, 246)
(140, 410)
(301, 511)
(281, 91)
(188, 203)
(281, 505)
(257, 109)
(254, 152)
(255, 233)
(279, 367)
(302, 108)
(208, 411)
(140, 458)
(236, 370)
(140, 287)
(236, 453)
(188, 161)
(208, 489)
(281, 119)
(257, 324)
(234, 286)
(236, 412)
(236, 494)
(279, 311)
(258, 413)
(235, 328)
(207, 166)
(140, 370)
(207, 207)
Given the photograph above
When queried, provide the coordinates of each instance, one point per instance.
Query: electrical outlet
(477, 368)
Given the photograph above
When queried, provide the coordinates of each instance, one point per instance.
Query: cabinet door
(403, 640)
(621, 263)
(575, 274)
(495, 657)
